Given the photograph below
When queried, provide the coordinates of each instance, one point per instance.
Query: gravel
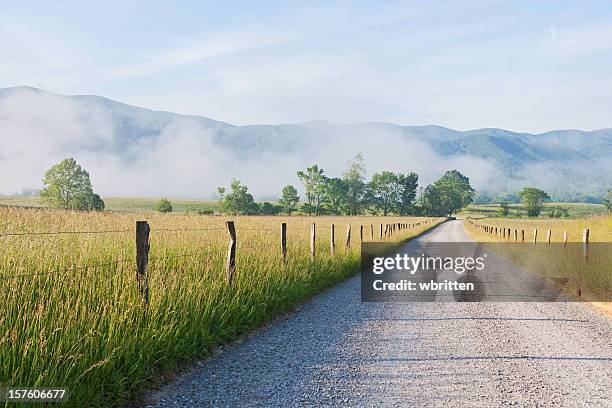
(337, 351)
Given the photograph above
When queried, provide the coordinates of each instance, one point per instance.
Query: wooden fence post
(381, 232)
(564, 238)
(548, 236)
(372, 232)
(522, 235)
(230, 265)
(535, 236)
(361, 233)
(348, 236)
(585, 243)
(313, 236)
(332, 240)
(284, 241)
(515, 235)
(142, 259)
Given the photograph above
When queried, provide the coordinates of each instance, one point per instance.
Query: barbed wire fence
(143, 232)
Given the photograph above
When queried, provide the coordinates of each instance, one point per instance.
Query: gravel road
(337, 351)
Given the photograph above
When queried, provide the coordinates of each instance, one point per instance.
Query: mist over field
(133, 152)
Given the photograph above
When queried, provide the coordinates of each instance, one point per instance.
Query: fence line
(18, 234)
(143, 230)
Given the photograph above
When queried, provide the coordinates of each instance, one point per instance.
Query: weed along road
(338, 351)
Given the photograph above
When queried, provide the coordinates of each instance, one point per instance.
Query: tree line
(67, 185)
(352, 194)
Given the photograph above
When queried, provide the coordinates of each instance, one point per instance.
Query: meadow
(140, 204)
(72, 315)
(566, 265)
(576, 210)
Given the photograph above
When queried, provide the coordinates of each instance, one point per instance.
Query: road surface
(338, 351)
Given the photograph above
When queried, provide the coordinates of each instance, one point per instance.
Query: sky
(524, 66)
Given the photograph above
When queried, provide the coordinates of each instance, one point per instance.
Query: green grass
(87, 329)
(121, 203)
(576, 210)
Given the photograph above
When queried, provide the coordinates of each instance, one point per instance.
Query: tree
(164, 206)
(384, 191)
(289, 199)
(557, 212)
(607, 200)
(238, 201)
(504, 209)
(407, 188)
(67, 186)
(267, 208)
(336, 193)
(354, 179)
(447, 195)
(533, 198)
(97, 204)
(314, 182)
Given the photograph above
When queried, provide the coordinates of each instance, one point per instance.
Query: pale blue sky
(525, 66)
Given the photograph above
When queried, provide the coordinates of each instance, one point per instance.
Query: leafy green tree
(407, 187)
(314, 182)
(533, 198)
(504, 209)
(67, 186)
(355, 180)
(267, 208)
(164, 206)
(238, 201)
(447, 195)
(336, 193)
(289, 200)
(607, 200)
(431, 202)
(557, 212)
(384, 192)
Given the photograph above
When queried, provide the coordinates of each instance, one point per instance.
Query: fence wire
(18, 234)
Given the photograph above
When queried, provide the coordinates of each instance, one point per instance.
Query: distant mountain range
(563, 161)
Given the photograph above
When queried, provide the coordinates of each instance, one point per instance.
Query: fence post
(585, 243)
(585, 240)
(564, 238)
(332, 240)
(535, 236)
(230, 265)
(381, 232)
(372, 232)
(548, 234)
(515, 235)
(313, 235)
(522, 235)
(361, 233)
(348, 236)
(142, 259)
(284, 241)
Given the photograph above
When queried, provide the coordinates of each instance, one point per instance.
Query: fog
(39, 129)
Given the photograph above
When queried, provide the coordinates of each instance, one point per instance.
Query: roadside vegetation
(72, 316)
(563, 264)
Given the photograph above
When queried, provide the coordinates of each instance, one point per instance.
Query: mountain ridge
(575, 160)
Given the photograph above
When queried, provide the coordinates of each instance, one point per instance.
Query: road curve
(337, 351)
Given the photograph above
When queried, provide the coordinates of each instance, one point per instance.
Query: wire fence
(143, 231)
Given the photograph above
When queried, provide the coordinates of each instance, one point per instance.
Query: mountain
(563, 161)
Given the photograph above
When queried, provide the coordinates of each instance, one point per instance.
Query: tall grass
(86, 329)
(563, 264)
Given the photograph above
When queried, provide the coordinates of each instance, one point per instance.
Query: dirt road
(338, 351)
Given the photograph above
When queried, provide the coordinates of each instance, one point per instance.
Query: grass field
(62, 325)
(576, 210)
(562, 263)
(120, 203)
